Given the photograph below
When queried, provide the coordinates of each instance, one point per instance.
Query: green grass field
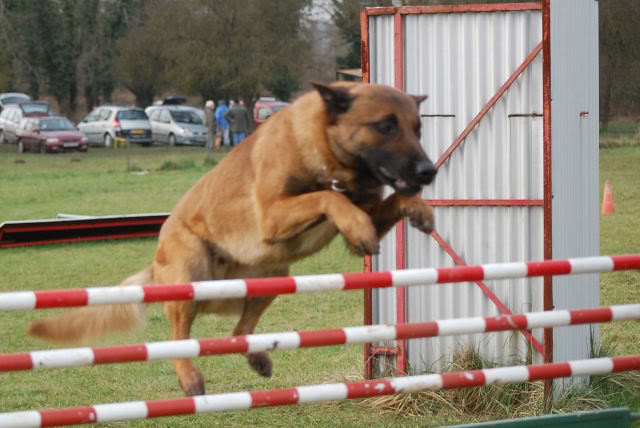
(108, 182)
(620, 133)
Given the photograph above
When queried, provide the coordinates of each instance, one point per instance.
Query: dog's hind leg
(253, 309)
(181, 257)
(181, 316)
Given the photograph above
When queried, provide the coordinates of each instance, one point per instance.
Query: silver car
(12, 115)
(9, 121)
(11, 98)
(177, 125)
(105, 123)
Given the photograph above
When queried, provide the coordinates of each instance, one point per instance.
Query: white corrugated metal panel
(479, 235)
(384, 300)
(381, 30)
(460, 60)
(575, 161)
(381, 50)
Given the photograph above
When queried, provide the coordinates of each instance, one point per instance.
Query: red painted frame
(544, 46)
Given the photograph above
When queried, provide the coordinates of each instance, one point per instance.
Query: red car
(265, 108)
(49, 135)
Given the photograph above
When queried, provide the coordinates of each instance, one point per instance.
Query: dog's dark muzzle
(426, 171)
(406, 173)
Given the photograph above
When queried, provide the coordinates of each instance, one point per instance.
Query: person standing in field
(238, 118)
(210, 123)
(223, 125)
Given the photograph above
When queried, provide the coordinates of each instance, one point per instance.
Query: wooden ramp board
(79, 228)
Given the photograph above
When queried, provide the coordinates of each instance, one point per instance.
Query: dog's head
(377, 128)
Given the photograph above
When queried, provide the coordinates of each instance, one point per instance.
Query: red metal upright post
(398, 54)
(368, 294)
(548, 248)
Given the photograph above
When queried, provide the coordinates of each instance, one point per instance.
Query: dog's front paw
(420, 215)
(261, 363)
(362, 250)
(361, 235)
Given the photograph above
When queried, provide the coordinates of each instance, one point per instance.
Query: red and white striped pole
(76, 357)
(207, 290)
(114, 412)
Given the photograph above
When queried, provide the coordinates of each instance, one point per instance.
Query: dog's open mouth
(398, 184)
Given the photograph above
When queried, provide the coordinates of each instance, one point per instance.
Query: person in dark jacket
(238, 118)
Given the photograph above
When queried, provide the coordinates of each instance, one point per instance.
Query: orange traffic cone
(607, 199)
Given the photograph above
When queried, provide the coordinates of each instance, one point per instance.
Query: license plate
(71, 144)
(137, 131)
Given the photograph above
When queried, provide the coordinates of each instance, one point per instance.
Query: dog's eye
(387, 126)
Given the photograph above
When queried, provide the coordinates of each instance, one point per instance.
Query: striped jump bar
(291, 340)
(114, 412)
(207, 290)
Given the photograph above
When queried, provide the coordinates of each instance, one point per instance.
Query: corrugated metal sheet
(463, 59)
(575, 161)
(381, 52)
(460, 60)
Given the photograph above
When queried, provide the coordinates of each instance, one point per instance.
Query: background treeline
(80, 51)
(72, 49)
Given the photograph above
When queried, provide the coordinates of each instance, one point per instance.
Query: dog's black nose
(426, 171)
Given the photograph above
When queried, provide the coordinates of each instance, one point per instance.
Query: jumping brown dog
(315, 169)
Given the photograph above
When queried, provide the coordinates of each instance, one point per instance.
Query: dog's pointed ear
(338, 100)
(419, 99)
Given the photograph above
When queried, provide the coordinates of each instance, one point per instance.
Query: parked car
(32, 108)
(7, 122)
(177, 125)
(12, 98)
(173, 100)
(107, 122)
(50, 135)
(12, 115)
(265, 108)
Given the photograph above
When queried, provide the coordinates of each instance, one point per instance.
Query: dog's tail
(84, 324)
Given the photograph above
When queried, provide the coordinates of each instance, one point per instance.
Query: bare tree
(228, 49)
(141, 65)
(7, 50)
(619, 55)
(346, 16)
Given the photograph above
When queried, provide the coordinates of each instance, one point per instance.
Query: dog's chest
(359, 192)
(312, 239)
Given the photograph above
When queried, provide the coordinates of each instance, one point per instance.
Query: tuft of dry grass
(481, 403)
(494, 402)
